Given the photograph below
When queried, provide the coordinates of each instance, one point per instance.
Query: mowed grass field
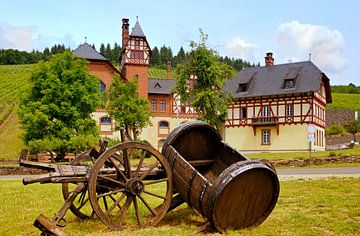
(305, 207)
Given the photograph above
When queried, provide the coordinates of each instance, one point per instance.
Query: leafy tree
(353, 127)
(56, 113)
(130, 112)
(205, 94)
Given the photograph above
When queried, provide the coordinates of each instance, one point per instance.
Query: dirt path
(316, 173)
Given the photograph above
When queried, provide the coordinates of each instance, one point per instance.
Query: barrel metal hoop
(191, 180)
(202, 191)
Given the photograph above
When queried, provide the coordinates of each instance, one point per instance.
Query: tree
(205, 94)
(129, 111)
(180, 57)
(56, 113)
(353, 127)
(155, 57)
(102, 49)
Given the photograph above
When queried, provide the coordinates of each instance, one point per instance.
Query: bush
(334, 129)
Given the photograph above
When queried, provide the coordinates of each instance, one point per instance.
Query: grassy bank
(304, 155)
(305, 207)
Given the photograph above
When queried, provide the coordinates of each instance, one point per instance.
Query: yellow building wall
(153, 134)
(290, 138)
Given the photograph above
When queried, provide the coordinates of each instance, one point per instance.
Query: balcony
(266, 120)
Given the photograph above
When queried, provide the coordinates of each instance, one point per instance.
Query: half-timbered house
(274, 105)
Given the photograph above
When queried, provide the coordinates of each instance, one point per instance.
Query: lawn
(305, 207)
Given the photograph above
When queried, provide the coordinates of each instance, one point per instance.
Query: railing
(264, 120)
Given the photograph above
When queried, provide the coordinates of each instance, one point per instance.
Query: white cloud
(239, 48)
(295, 41)
(26, 38)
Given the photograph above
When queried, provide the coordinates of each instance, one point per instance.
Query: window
(265, 111)
(289, 83)
(162, 105)
(163, 124)
(265, 138)
(243, 113)
(105, 120)
(242, 88)
(289, 111)
(102, 87)
(153, 105)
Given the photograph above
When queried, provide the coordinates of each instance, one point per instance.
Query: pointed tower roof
(87, 52)
(137, 31)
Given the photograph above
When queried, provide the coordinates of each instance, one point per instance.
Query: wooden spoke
(82, 204)
(118, 169)
(124, 209)
(110, 193)
(154, 194)
(114, 200)
(136, 207)
(116, 203)
(147, 205)
(140, 164)
(155, 181)
(149, 171)
(105, 203)
(112, 180)
(127, 161)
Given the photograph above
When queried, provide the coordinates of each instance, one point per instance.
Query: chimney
(169, 70)
(125, 31)
(269, 60)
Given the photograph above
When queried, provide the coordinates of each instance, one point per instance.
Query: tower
(135, 56)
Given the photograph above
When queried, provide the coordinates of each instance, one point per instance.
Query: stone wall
(341, 117)
(340, 139)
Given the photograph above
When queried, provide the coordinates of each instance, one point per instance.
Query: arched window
(105, 120)
(153, 105)
(102, 87)
(162, 105)
(163, 124)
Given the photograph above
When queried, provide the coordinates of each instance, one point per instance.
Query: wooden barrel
(225, 187)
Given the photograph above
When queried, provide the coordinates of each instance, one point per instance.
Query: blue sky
(244, 29)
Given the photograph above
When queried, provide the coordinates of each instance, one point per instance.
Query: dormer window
(157, 85)
(289, 84)
(242, 88)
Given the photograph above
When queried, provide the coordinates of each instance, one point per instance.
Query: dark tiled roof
(161, 86)
(87, 52)
(267, 81)
(137, 31)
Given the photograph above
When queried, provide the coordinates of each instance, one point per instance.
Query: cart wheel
(130, 185)
(80, 206)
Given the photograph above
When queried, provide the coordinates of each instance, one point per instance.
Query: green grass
(305, 207)
(345, 101)
(304, 155)
(10, 139)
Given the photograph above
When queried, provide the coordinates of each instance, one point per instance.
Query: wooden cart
(132, 183)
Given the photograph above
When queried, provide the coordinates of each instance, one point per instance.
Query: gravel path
(288, 173)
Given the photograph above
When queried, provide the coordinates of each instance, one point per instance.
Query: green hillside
(14, 81)
(156, 73)
(345, 101)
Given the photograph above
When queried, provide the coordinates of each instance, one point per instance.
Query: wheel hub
(134, 186)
